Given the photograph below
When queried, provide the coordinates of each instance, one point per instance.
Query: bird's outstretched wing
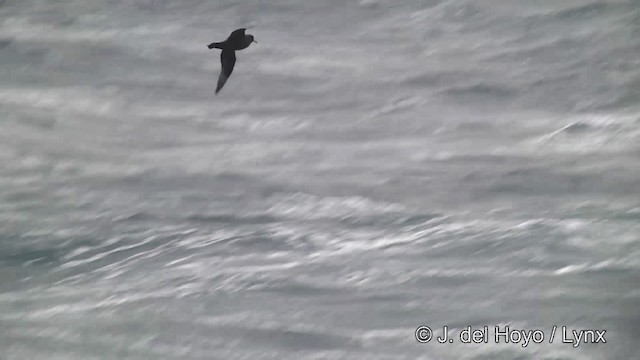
(237, 35)
(228, 61)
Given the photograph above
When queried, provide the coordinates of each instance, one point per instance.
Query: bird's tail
(215, 45)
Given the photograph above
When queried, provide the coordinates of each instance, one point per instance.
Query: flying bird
(238, 40)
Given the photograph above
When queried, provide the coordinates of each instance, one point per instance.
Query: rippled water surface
(371, 166)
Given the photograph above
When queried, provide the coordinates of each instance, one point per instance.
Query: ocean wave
(591, 133)
(232, 219)
(24, 29)
(480, 90)
(74, 99)
(584, 11)
(603, 267)
(307, 206)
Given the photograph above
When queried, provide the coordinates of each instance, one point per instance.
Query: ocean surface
(370, 167)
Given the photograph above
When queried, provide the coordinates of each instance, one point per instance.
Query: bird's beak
(255, 41)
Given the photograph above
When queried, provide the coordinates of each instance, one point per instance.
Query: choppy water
(370, 167)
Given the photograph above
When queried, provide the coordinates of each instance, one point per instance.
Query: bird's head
(250, 39)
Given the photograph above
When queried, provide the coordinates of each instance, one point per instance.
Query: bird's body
(238, 40)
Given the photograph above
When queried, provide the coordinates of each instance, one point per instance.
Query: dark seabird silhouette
(238, 40)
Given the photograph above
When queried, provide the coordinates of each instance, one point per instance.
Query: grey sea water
(370, 167)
